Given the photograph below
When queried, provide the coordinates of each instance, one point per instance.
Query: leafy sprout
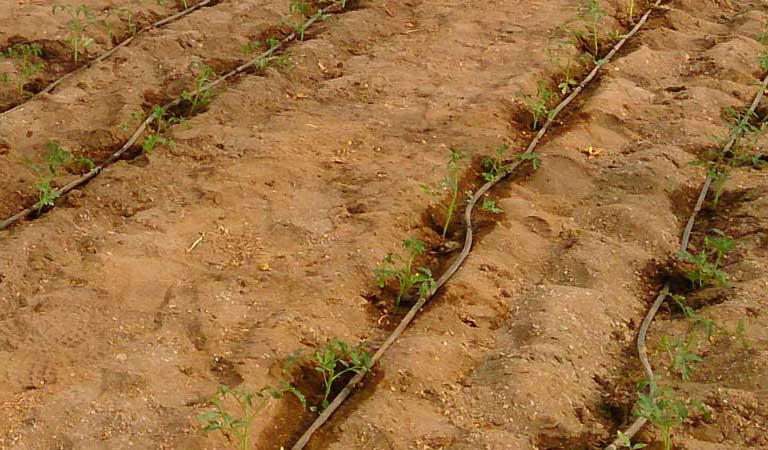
(660, 408)
(27, 58)
(79, 17)
(337, 359)
(402, 270)
(236, 425)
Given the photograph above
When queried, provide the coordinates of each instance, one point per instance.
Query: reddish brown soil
(113, 333)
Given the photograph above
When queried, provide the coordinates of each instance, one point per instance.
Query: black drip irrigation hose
(684, 240)
(468, 239)
(111, 52)
(336, 7)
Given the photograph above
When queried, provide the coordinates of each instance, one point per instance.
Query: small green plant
(300, 7)
(679, 355)
(631, 12)
(706, 271)
(27, 57)
(495, 165)
(56, 157)
(402, 270)
(236, 427)
(625, 442)
(594, 13)
(539, 105)
(741, 334)
(127, 15)
(79, 17)
(659, 408)
(532, 157)
(337, 359)
(450, 184)
(568, 82)
(202, 94)
(719, 176)
(162, 121)
(489, 205)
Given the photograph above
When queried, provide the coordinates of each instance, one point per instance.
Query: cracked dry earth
(300, 179)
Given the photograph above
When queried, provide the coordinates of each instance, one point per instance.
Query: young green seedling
(625, 442)
(401, 269)
(202, 94)
(300, 7)
(659, 408)
(237, 428)
(679, 356)
(336, 359)
(80, 16)
(489, 205)
(451, 183)
(161, 123)
(706, 272)
(741, 334)
(532, 157)
(594, 13)
(495, 165)
(56, 157)
(539, 105)
(696, 320)
(27, 57)
(127, 15)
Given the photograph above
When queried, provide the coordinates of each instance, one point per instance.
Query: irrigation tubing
(60, 192)
(468, 239)
(111, 52)
(684, 241)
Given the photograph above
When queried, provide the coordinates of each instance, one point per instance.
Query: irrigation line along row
(111, 52)
(468, 239)
(336, 7)
(684, 241)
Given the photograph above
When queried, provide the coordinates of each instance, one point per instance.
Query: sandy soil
(301, 178)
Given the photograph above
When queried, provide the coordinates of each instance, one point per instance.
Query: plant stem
(451, 207)
(597, 48)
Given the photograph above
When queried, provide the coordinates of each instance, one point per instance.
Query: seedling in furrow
(660, 408)
(300, 7)
(679, 355)
(706, 271)
(489, 205)
(555, 50)
(625, 442)
(127, 15)
(538, 105)
(402, 270)
(449, 184)
(695, 319)
(337, 359)
(54, 160)
(202, 94)
(79, 17)
(236, 425)
(27, 57)
(763, 39)
(594, 13)
(161, 122)
(495, 165)
(741, 334)
(720, 176)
